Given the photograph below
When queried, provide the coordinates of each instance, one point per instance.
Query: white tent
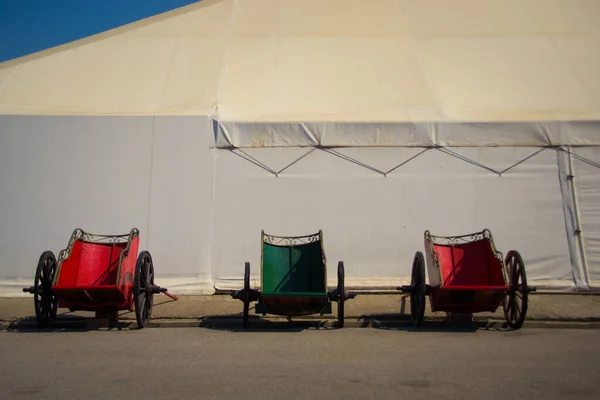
(372, 120)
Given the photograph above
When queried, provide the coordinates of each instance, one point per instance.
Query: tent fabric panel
(56, 177)
(337, 61)
(170, 64)
(106, 175)
(180, 199)
(587, 179)
(376, 224)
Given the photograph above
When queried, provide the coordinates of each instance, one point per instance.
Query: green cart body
(293, 279)
(293, 276)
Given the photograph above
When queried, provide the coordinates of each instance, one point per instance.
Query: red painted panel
(467, 299)
(91, 264)
(88, 278)
(469, 264)
(128, 272)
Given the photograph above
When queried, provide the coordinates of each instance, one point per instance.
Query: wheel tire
(341, 288)
(246, 295)
(417, 295)
(45, 300)
(143, 289)
(515, 302)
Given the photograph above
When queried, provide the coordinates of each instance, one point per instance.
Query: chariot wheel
(417, 294)
(246, 297)
(44, 299)
(143, 289)
(514, 302)
(341, 289)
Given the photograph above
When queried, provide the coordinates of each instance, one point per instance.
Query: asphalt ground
(300, 364)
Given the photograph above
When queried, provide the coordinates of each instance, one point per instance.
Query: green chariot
(293, 279)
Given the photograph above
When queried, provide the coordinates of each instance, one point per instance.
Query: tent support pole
(578, 231)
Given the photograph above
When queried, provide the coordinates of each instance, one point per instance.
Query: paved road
(195, 363)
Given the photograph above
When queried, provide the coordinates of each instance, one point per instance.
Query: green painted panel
(293, 269)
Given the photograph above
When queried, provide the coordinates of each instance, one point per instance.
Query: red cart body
(466, 274)
(97, 275)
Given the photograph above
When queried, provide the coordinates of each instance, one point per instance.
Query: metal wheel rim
(514, 302)
(246, 294)
(417, 297)
(341, 292)
(144, 289)
(45, 300)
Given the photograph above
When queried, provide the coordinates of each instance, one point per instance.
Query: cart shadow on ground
(257, 324)
(401, 322)
(233, 323)
(84, 322)
(268, 323)
(390, 322)
(68, 321)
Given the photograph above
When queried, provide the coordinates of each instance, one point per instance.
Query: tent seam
(227, 54)
(427, 72)
(564, 59)
(150, 183)
(168, 78)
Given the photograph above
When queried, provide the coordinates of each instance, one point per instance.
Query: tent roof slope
(383, 61)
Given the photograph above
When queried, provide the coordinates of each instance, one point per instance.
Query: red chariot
(99, 273)
(468, 275)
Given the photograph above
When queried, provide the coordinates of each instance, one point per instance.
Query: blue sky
(29, 26)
